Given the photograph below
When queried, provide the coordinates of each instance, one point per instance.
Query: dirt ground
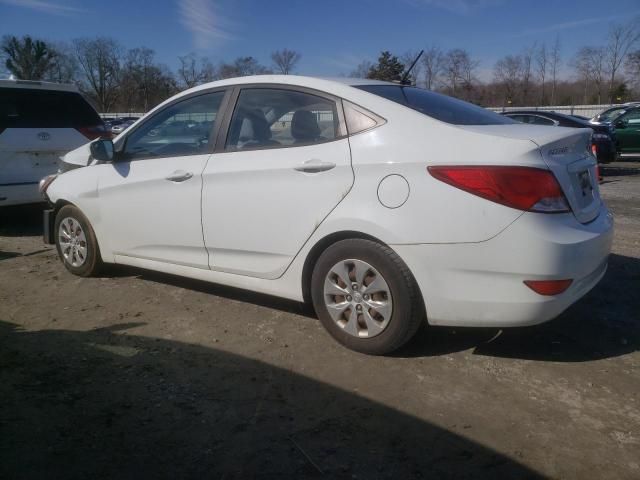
(141, 375)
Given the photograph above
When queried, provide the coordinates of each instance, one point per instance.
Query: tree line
(125, 80)
(119, 79)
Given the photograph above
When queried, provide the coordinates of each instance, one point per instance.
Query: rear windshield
(440, 107)
(31, 108)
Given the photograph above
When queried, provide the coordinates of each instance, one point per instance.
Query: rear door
(283, 166)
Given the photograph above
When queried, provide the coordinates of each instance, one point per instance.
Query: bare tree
(65, 66)
(632, 67)
(458, 70)
(507, 71)
(189, 73)
(554, 65)
(622, 37)
(433, 62)
(542, 63)
(99, 61)
(241, 67)
(527, 59)
(362, 70)
(285, 60)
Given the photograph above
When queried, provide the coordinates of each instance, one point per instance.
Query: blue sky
(333, 35)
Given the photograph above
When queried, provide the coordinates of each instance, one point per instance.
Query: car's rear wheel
(366, 297)
(76, 242)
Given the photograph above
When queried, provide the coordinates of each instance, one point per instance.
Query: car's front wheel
(366, 297)
(76, 242)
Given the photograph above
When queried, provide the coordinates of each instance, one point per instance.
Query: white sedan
(382, 204)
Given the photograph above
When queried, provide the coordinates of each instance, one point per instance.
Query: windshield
(441, 107)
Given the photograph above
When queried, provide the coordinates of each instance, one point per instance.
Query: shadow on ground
(21, 221)
(106, 404)
(604, 324)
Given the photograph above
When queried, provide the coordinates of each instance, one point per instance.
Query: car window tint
(435, 105)
(537, 120)
(268, 118)
(34, 108)
(519, 118)
(633, 117)
(184, 128)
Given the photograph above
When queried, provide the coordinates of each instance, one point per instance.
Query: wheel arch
(320, 246)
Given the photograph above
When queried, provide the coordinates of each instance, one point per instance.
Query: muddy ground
(141, 375)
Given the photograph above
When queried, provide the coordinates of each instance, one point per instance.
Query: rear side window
(441, 107)
(31, 108)
(272, 118)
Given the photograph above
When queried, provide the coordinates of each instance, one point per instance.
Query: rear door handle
(179, 176)
(315, 166)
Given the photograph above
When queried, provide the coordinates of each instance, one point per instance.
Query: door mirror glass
(102, 150)
(620, 124)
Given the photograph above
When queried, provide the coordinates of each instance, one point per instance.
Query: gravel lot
(142, 375)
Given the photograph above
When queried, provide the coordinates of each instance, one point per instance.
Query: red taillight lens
(594, 149)
(548, 287)
(93, 132)
(524, 188)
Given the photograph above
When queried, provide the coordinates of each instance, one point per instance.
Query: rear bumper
(20, 194)
(481, 284)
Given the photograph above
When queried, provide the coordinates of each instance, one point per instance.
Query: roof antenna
(405, 77)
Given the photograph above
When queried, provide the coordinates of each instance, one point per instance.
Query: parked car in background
(380, 204)
(122, 126)
(609, 114)
(39, 123)
(603, 138)
(627, 127)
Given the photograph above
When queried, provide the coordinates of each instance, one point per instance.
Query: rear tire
(366, 297)
(76, 242)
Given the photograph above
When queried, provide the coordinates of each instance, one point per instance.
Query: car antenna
(405, 77)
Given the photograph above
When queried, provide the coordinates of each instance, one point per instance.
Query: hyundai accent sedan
(383, 205)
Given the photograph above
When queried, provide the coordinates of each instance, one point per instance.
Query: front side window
(271, 118)
(632, 118)
(185, 128)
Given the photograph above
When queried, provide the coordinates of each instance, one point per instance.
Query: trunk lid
(567, 153)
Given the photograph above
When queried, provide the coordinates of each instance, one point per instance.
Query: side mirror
(102, 149)
(620, 124)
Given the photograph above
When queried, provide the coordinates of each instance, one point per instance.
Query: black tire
(92, 263)
(408, 311)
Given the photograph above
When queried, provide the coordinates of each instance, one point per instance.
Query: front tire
(366, 297)
(76, 242)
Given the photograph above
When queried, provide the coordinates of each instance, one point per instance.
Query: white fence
(584, 110)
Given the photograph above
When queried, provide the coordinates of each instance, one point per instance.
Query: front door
(629, 136)
(151, 196)
(286, 164)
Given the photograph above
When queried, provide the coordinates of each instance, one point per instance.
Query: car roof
(38, 85)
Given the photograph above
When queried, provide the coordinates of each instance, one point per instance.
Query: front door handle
(179, 176)
(315, 166)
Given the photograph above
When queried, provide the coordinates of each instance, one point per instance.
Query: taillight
(594, 149)
(93, 132)
(524, 188)
(548, 287)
